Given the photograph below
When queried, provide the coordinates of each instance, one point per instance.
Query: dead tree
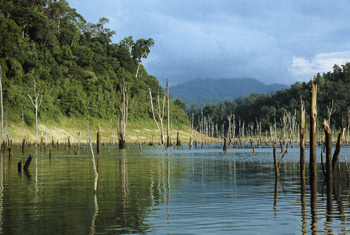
(337, 151)
(87, 131)
(168, 112)
(233, 132)
(348, 126)
(210, 126)
(302, 140)
(123, 117)
(36, 105)
(330, 111)
(160, 114)
(313, 129)
(229, 117)
(2, 106)
(112, 137)
(258, 129)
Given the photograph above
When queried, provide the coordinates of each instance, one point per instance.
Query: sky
(274, 41)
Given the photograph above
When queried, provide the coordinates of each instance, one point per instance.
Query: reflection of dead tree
(94, 165)
(160, 114)
(95, 195)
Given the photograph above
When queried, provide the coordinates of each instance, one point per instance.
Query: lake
(167, 191)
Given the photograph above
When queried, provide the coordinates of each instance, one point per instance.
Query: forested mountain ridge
(200, 92)
(76, 67)
(333, 104)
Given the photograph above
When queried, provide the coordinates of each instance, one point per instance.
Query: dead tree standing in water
(160, 115)
(167, 99)
(123, 117)
(313, 120)
(2, 106)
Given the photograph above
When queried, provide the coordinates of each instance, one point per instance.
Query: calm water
(166, 191)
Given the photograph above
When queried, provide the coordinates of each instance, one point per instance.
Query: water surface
(166, 191)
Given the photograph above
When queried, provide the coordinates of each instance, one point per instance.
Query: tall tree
(140, 50)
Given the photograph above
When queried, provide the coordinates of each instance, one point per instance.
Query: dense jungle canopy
(76, 67)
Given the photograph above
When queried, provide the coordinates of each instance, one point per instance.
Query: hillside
(71, 66)
(201, 92)
(283, 106)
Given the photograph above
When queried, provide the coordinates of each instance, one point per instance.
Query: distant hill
(201, 92)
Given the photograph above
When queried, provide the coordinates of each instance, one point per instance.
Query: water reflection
(313, 203)
(303, 205)
(163, 191)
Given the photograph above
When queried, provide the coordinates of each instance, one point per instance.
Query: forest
(49, 50)
(262, 111)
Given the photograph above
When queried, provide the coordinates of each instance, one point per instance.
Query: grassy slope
(140, 131)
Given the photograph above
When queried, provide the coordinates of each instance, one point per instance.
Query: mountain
(200, 92)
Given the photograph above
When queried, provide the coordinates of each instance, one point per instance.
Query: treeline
(76, 67)
(262, 111)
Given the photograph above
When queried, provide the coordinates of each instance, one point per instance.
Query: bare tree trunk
(87, 130)
(329, 174)
(225, 145)
(138, 66)
(112, 137)
(2, 107)
(123, 117)
(277, 173)
(302, 141)
(22, 126)
(167, 98)
(178, 141)
(98, 142)
(313, 131)
(330, 111)
(36, 104)
(337, 151)
(160, 115)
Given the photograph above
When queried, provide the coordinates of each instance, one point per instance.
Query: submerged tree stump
(23, 145)
(26, 165)
(225, 145)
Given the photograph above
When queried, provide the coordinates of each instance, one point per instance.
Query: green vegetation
(201, 92)
(332, 86)
(76, 67)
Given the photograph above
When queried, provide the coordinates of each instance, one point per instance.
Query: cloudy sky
(274, 41)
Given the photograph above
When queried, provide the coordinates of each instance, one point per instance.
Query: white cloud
(321, 63)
